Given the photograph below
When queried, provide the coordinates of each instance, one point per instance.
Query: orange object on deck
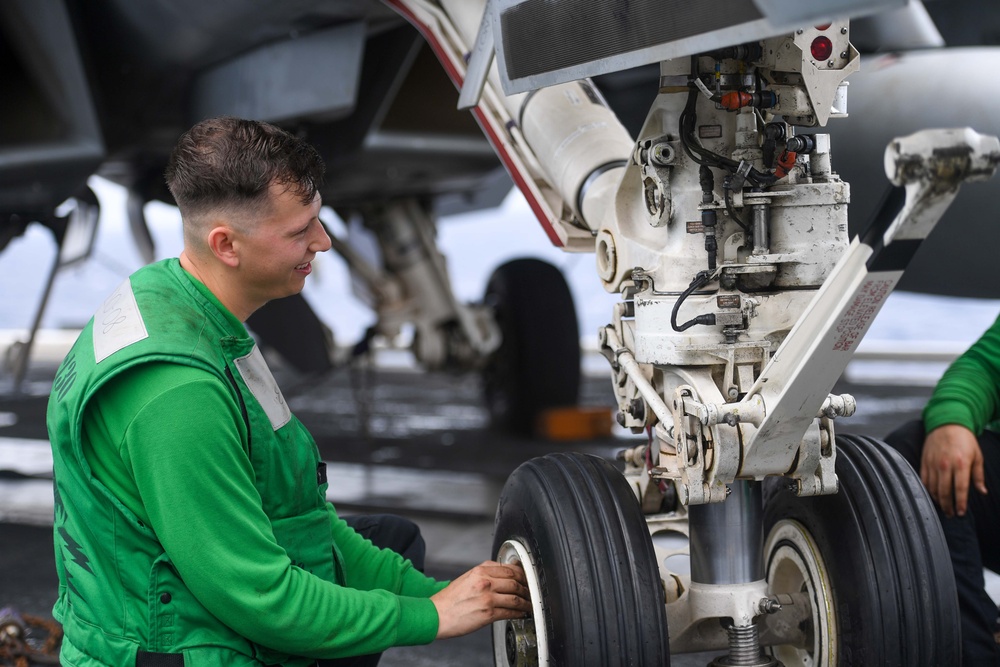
(574, 423)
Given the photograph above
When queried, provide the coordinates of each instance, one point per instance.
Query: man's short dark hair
(229, 164)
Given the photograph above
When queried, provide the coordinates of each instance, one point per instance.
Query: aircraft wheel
(574, 524)
(537, 365)
(872, 561)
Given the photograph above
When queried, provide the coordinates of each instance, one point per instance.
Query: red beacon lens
(823, 27)
(821, 48)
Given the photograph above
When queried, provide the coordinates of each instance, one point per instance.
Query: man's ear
(222, 243)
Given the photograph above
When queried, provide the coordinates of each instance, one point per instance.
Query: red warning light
(824, 26)
(821, 48)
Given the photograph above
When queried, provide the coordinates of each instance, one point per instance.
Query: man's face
(276, 255)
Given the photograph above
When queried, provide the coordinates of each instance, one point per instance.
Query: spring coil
(744, 645)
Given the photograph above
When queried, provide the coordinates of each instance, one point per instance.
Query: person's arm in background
(964, 401)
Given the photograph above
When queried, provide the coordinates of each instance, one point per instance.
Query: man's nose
(322, 241)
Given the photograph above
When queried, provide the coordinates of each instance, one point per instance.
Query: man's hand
(952, 459)
(486, 593)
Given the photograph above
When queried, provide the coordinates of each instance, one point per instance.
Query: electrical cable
(700, 280)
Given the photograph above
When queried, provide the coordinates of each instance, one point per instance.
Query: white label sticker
(258, 377)
(117, 323)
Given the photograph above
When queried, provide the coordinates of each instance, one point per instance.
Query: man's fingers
(501, 585)
(505, 571)
(929, 477)
(944, 491)
(510, 614)
(961, 479)
(510, 601)
(979, 474)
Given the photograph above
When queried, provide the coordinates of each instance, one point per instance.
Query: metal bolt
(662, 154)
(768, 606)
(843, 54)
(733, 392)
(829, 63)
(843, 31)
(731, 419)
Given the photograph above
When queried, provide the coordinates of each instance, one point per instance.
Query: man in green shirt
(957, 451)
(191, 526)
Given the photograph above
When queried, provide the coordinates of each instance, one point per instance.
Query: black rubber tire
(537, 365)
(578, 517)
(886, 557)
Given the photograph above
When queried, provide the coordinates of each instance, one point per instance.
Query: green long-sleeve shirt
(164, 439)
(969, 391)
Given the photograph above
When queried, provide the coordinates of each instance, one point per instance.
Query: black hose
(700, 280)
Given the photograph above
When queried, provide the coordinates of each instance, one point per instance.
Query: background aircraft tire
(597, 592)
(537, 365)
(872, 558)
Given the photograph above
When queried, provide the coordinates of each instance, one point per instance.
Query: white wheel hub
(522, 642)
(795, 565)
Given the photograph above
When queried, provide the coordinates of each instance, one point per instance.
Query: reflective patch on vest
(117, 323)
(258, 377)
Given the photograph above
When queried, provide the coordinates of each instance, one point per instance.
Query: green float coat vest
(105, 554)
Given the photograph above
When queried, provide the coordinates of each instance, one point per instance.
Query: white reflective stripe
(117, 323)
(258, 378)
